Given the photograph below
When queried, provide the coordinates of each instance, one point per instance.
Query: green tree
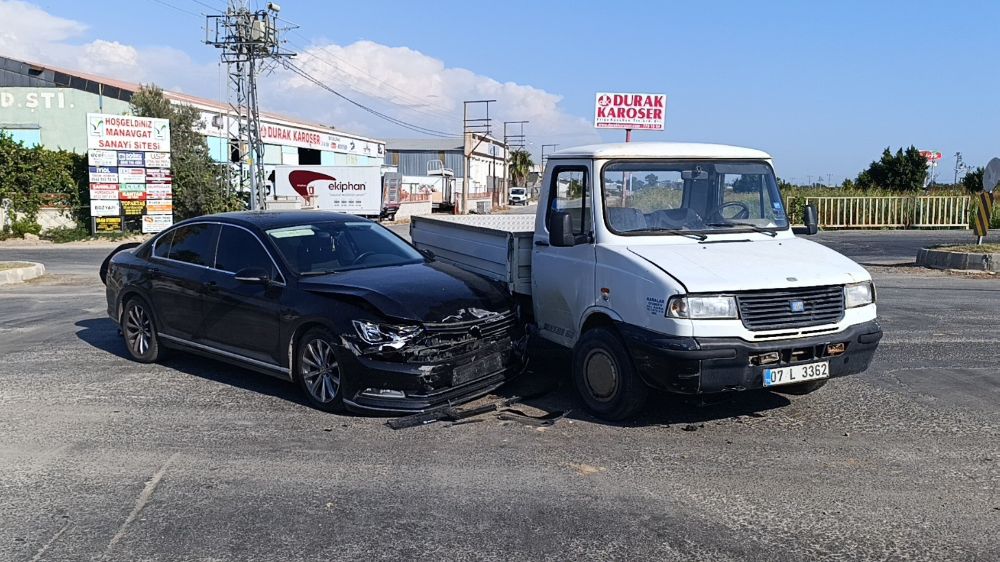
(903, 171)
(973, 181)
(785, 185)
(748, 183)
(200, 185)
(652, 180)
(520, 166)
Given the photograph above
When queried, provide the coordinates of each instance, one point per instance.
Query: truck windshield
(705, 196)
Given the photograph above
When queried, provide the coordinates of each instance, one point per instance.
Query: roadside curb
(21, 274)
(944, 259)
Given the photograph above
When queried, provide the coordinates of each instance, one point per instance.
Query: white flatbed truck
(670, 266)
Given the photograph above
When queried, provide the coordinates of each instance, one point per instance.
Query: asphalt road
(104, 458)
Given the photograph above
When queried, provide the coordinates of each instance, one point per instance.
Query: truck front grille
(791, 308)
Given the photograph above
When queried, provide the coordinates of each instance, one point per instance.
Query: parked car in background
(340, 305)
(518, 196)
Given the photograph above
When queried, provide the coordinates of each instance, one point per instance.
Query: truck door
(562, 279)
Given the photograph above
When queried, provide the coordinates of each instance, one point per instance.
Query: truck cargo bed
(497, 246)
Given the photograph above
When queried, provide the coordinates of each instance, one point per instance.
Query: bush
(25, 226)
(66, 234)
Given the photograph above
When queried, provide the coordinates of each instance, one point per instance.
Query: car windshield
(517, 190)
(708, 196)
(335, 246)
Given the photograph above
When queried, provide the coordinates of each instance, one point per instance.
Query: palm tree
(520, 166)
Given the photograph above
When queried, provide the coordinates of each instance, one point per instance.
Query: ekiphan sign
(356, 190)
(616, 110)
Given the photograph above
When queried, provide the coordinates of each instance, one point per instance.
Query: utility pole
(512, 142)
(481, 126)
(958, 166)
(248, 40)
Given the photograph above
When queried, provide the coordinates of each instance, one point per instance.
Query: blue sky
(823, 87)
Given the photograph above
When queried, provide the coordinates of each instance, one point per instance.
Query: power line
(178, 8)
(440, 112)
(411, 126)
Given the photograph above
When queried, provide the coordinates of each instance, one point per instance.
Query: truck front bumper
(709, 365)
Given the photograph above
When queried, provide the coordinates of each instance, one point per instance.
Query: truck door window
(569, 193)
(746, 195)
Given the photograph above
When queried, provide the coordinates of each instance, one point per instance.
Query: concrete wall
(409, 209)
(52, 217)
(59, 113)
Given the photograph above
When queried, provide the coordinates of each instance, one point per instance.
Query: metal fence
(893, 211)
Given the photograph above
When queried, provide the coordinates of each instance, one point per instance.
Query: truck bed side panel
(502, 255)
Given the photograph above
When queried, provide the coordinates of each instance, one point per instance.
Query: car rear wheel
(605, 377)
(801, 388)
(318, 370)
(139, 331)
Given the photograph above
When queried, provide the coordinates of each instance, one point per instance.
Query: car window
(195, 244)
(239, 249)
(162, 247)
(569, 193)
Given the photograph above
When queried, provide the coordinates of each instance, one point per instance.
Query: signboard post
(616, 110)
(129, 159)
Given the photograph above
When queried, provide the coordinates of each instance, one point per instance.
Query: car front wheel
(318, 371)
(139, 331)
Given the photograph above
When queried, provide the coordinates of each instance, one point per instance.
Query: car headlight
(385, 334)
(859, 294)
(702, 308)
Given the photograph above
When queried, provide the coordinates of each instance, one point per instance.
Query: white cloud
(398, 81)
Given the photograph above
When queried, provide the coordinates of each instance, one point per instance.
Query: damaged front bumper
(448, 366)
(711, 365)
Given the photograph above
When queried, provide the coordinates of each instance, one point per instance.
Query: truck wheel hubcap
(600, 375)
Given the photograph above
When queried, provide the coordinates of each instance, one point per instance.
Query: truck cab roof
(647, 150)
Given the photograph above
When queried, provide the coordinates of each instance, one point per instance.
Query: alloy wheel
(138, 329)
(319, 370)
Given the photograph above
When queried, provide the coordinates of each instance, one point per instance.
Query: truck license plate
(477, 369)
(796, 373)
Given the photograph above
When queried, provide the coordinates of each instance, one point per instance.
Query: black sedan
(344, 307)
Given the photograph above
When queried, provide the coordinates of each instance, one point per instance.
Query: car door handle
(541, 243)
(209, 286)
(154, 273)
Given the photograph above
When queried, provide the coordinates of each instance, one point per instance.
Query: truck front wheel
(605, 377)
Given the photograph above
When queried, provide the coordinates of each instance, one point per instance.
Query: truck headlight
(702, 308)
(385, 334)
(859, 294)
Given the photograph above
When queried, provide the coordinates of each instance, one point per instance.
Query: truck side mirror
(561, 229)
(810, 219)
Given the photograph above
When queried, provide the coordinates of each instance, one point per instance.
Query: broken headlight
(385, 334)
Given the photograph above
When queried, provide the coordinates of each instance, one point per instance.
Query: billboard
(125, 132)
(356, 190)
(615, 110)
(156, 223)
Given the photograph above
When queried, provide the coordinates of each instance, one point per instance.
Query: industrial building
(423, 162)
(45, 105)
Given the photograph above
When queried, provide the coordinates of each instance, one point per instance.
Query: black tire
(605, 377)
(107, 261)
(138, 327)
(316, 353)
(801, 388)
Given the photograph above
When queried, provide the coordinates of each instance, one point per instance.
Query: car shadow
(548, 381)
(102, 333)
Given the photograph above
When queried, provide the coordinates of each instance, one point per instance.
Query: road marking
(55, 537)
(140, 503)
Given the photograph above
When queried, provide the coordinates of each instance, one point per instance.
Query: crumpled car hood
(424, 292)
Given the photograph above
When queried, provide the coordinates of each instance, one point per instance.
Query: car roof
(661, 150)
(265, 220)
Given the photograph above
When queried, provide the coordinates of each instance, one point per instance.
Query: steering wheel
(362, 257)
(743, 213)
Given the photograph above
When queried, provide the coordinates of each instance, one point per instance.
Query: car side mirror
(426, 253)
(561, 230)
(253, 275)
(809, 217)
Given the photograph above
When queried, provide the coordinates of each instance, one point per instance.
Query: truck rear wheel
(605, 377)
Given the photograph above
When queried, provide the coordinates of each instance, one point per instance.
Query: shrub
(25, 226)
